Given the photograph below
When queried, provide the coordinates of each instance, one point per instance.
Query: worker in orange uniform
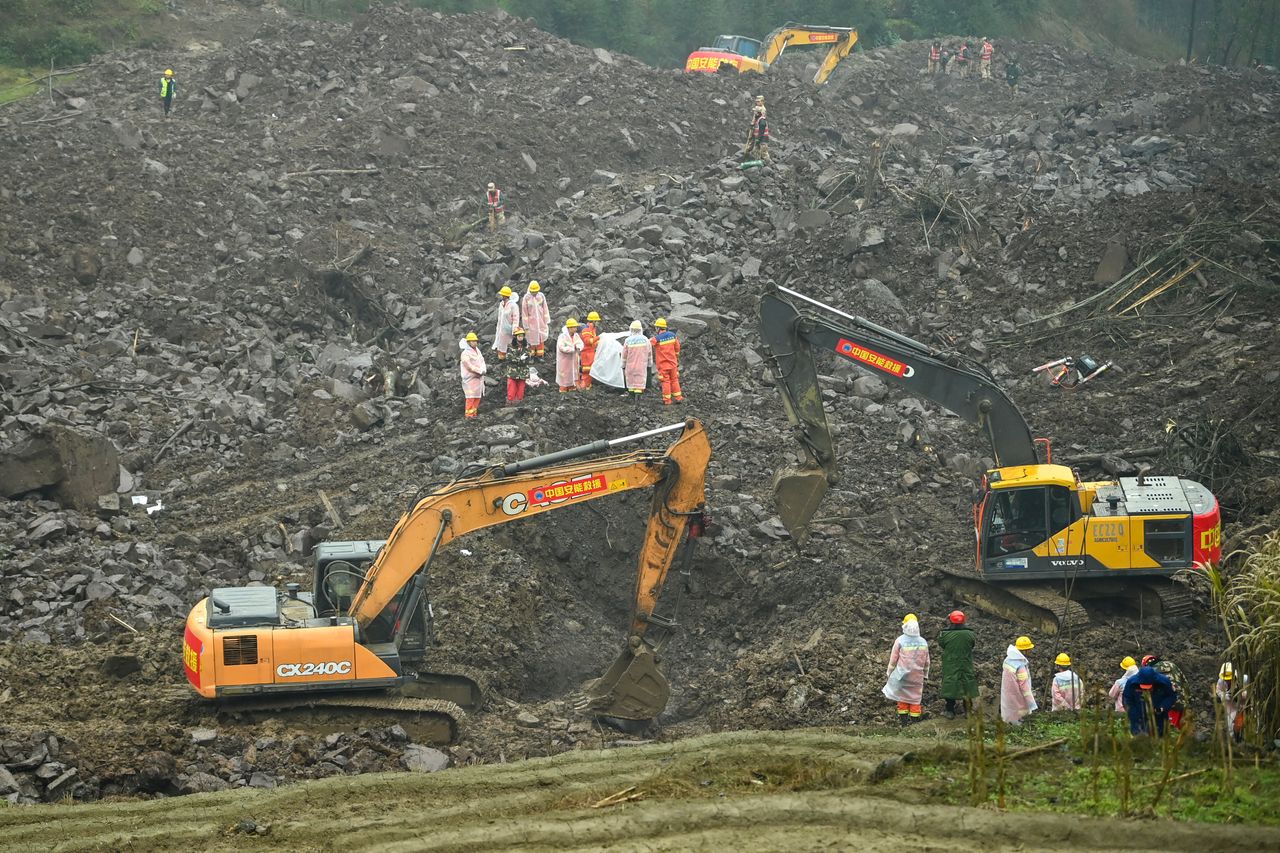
(666, 359)
(473, 369)
(590, 337)
(495, 206)
(935, 57)
(984, 56)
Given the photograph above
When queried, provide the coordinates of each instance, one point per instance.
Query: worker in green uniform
(959, 681)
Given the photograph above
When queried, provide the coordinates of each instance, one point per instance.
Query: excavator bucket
(633, 688)
(797, 493)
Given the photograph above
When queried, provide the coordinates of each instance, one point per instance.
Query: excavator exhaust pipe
(797, 492)
(632, 689)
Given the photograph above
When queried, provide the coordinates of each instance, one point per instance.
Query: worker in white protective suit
(1066, 690)
(1016, 697)
(908, 670)
(1130, 667)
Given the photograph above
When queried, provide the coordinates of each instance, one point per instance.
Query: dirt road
(802, 790)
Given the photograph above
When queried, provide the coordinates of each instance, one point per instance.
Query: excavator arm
(841, 40)
(794, 327)
(633, 688)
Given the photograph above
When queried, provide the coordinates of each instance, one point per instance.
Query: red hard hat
(1147, 660)
(956, 617)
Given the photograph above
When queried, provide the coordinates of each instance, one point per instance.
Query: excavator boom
(793, 326)
(746, 54)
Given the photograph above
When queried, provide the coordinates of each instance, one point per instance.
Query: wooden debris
(331, 510)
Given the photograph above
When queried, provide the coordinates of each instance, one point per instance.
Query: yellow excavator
(358, 638)
(748, 54)
(1045, 538)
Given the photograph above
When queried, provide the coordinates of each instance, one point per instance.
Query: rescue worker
(168, 88)
(473, 370)
(1017, 699)
(946, 62)
(1148, 686)
(568, 345)
(636, 352)
(496, 207)
(537, 319)
(908, 669)
(590, 338)
(962, 61)
(935, 58)
(959, 681)
(1067, 690)
(988, 51)
(508, 320)
(758, 138)
(666, 360)
(1170, 670)
(1130, 666)
(1012, 72)
(517, 364)
(1232, 696)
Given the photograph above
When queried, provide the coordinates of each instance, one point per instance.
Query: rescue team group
(1153, 688)
(964, 62)
(521, 336)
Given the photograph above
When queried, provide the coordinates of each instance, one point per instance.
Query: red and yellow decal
(191, 649)
(818, 38)
(871, 358)
(709, 61)
(568, 489)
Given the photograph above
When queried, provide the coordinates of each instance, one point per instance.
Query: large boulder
(72, 467)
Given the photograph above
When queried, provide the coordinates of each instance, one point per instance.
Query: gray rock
(366, 415)
(8, 783)
(424, 759)
(906, 128)
(910, 480)
(603, 178)
(527, 720)
(204, 735)
(52, 528)
(262, 780)
(870, 387)
(873, 236)
(1115, 260)
(85, 265)
(135, 257)
(813, 219)
(529, 163)
(603, 55)
(879, 295)
(200, 783)
(750, 267)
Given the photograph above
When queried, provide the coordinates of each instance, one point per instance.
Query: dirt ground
(803, 790)
(177, 286)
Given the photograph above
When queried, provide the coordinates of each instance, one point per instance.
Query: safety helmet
(759, 99)
(534, 287)
(1128, 663)
(660, 323)
(1147, 660)
(168, 72)
(1022, 644)
(506, 291)
(1063, 659)
(517, 331)
(1227, 672)
(956, 617)
(910, 617)
(635, 326)
(593, 317)
(472, 337)
(571, 323)
(491, 186)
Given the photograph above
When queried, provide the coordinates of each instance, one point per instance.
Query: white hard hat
(635, 326)
(491, 186)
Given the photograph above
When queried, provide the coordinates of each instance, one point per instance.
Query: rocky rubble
(257, 303)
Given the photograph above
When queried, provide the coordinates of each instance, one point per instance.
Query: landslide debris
(222, 296)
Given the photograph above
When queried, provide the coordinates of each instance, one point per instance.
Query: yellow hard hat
(471, 337)
(1227, 672)
(571, 323)
(517, 331)
(1128, 662)
(1063, 659)
(1023, 643)
(910, 617)
(168, 72)
(534, 287)
(660, 323)
(593, 317)
(506, 291)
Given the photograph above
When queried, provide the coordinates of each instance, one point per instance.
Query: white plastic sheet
(607, 367)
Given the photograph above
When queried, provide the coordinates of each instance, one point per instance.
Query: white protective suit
(1016, 697)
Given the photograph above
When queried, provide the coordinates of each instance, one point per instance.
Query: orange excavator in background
(748, 54)
(1045, 538)
(358, 638)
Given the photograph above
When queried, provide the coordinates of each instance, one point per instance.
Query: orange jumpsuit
(590, 337)
(666, 359)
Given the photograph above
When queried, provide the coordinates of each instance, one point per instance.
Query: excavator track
(431, 720)
(1036, 605)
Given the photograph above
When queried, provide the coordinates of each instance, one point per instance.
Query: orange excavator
(1046, 539)
(358, 638)
(748, 54)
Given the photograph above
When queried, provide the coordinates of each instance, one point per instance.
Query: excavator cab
(741, 45)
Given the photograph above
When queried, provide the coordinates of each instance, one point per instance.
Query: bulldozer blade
(797, 493)
(633, 688)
